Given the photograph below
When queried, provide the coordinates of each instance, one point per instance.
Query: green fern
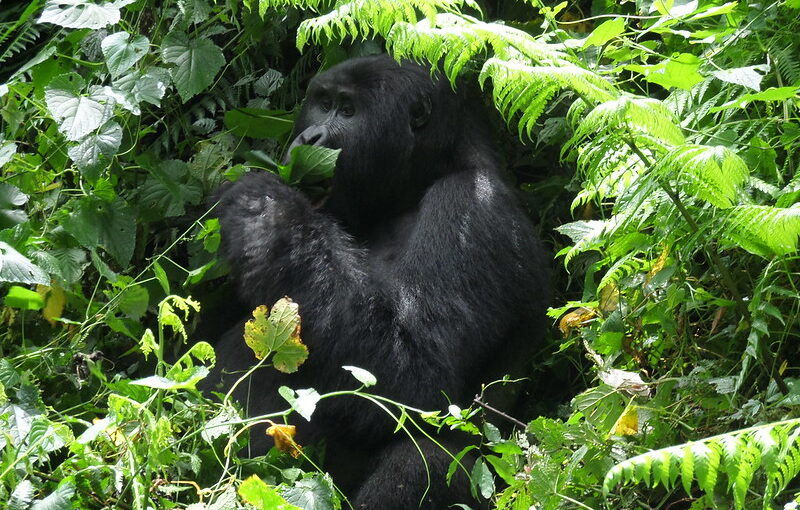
(644, 119)
(623, 267)
(18, 35)
(714, 174)
(763, 230)
(773, 448)
(525, 89)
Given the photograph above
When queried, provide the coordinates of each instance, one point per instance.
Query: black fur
(421, 268)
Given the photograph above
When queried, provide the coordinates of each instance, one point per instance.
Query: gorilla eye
(325, 104)
(347, 110)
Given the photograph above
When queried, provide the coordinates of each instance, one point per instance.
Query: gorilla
(421, 267)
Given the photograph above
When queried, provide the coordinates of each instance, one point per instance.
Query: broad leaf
(77, 114)
(15, 267)
(605, 32)
(257, 493)
(278, 333)
(312, 493)
(197, 62)
(110, 225)
(679, 71)
(309, 164)
(258, 123)
(82, 13)
(7, 150)
(122, 51)
(363, 376)
(90, 152)
(147, 86)
(168, 188)
(22, 298)
(56, 500)
(745, 76)
(10, 199)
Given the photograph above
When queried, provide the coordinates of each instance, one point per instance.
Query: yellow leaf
(575, 319)
(284, 439)
(255, 330)
(277, 331)
(54, 304)
(609, 298)
(628, 423)
(658, 265)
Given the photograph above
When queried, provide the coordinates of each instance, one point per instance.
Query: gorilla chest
(388, 241)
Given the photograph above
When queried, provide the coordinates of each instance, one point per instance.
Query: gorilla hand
(258, 216)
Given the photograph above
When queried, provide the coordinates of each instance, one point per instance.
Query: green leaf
(502, 467)
(91, 152)
(122, 51)
(169, 188)
(161, 276)
(763, 230)
(197, 62)
(117, 230)
(147, 86)
(188, 379)
(482, 478)
(24, 299)
(678, 71)
(257, 493)
(278, 333)
(770, 94)
(10, 199)
(306, 402)
(605, 32)
(745, 76)
(81, 223)
(16, 268)
(258, 123)
(311, 493)
(134, 300)
(363, 376)
(82, 13)
(108, 224)
(309, 164)
(7, 151)
(21, 497)
(77, 115)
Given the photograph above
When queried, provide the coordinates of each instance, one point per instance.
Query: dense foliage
(673, 212)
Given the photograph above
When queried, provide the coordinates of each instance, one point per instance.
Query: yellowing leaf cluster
(278, 332)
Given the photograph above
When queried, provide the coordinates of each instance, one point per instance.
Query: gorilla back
(421, 268)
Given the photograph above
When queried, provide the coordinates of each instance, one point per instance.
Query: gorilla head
(398, 130)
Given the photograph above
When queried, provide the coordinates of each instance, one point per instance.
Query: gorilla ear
(420, 111)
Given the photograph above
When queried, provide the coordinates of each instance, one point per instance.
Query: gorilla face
(371, 114)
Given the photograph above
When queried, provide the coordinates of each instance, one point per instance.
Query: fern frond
(610, 169)
(523, 89)
(16, 37)
(763, 230)
(773, 447)
(626, 266)
(458, 38)
(633, 115)
(363, 18)
(714, 174)
(586, 235)
(786, 61)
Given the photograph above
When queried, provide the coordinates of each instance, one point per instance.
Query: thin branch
(498, 412)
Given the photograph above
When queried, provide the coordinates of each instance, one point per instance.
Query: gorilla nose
(314, 135)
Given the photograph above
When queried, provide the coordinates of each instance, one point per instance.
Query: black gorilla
(421, 267)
